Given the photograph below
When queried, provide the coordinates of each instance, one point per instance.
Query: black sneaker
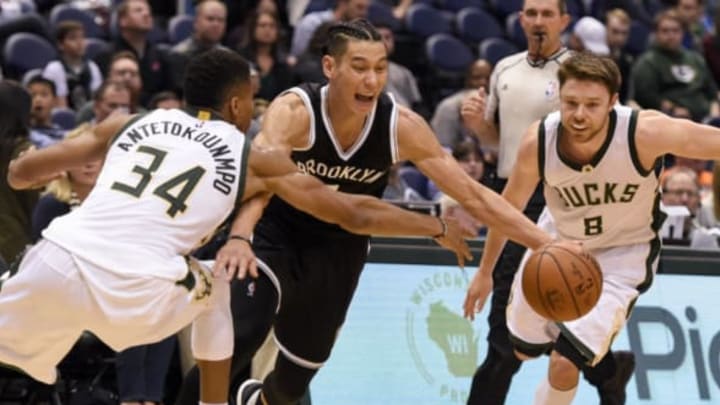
(612, 391)
(249, 393)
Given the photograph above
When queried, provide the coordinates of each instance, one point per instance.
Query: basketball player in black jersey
(347, 134)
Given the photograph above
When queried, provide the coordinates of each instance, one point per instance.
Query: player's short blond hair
(587, 66)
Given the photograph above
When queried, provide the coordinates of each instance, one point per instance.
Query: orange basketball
(561, 281)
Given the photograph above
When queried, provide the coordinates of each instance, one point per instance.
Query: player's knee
(562, 373)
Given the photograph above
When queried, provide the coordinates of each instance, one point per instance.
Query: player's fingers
(231, 267)
(218, 269)
(252, 268)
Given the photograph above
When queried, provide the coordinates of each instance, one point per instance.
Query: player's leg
(253, 304)
(586, 341)
(310, 317)
(491, 382)
(44, 307)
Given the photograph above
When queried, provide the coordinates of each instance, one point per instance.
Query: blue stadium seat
(494, 49)
(318, 5)
(63, 117)
(94, 47)
(381, 14)
(29, 75)
(457, 5)
(448, 53)
(416, 180)
(639, 38)
(575, 8)
(64, 12)
(514, 30)
(180, 27)
(24, 51)
(473, 25)
(423, 21)
(506, 7)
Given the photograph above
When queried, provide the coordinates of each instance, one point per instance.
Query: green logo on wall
(443, 344)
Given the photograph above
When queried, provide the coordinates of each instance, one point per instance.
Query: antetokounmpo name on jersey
(225, 167)
(597, 194)
(340, 172)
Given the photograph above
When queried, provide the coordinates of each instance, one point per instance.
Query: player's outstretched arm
(37, 167)
(658, 134)
(520, 187)
(418, 144)
(285, 125)
(355, 213)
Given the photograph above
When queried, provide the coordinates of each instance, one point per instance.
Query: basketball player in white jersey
(118, 266)
(599, 163)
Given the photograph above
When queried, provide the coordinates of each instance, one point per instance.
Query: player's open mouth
(364, 99)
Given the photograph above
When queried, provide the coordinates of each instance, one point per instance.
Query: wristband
(444, 231)
(242, 238)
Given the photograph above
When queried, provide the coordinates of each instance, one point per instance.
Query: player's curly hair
(339, 34)
(210, 76)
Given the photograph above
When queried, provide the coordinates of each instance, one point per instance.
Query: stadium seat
(64, 12)
(63, 117)
(505, 7)
(638, 39)
(494, 49)
(381, 14)
(514, 30)
(423, 21)
(317, 5)
(29, 75)
(575, 8)
(473, 25)
(94, 47)
(24, 51)
(448, 53)
(415, 180)
(180, 27)
(457, 5)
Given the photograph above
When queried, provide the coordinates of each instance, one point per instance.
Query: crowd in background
(130, 56)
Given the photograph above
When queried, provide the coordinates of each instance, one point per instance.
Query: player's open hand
(472, 110)
(235, 259)
(454, 239)
(480, 287)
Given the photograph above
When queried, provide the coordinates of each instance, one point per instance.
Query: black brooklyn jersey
(361, 169)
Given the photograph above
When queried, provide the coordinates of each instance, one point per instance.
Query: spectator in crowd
(13, 19)
(345, 10)
(75, 77)
(111, 96)
(680, 187)
(262, 47)
(209, 28)
(446, 121)
(43, 132)
(135, 21)
(618, 32)
(166, 100)
(398, 189)
(123, 68)
(694, 21)
(15, 206)
(589, 35)
(671, 78)
(309, 67)
(401, 81)
(470, 158)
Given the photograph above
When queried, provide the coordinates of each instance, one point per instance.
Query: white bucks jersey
(611, 201)
(169, 180)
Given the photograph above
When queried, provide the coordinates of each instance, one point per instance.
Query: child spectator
(75, 77)
(43, 132)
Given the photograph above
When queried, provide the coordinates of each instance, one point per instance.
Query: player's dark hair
(594, 68)
(210, 76)
(39, 79)
(341, 33)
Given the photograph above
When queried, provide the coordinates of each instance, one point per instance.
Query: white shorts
(54, 297)
(624, 268)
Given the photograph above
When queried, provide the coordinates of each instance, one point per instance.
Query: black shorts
(317, 282)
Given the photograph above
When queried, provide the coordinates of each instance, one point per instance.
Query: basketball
(561, 281)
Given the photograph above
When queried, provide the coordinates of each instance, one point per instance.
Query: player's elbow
(15, 177)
